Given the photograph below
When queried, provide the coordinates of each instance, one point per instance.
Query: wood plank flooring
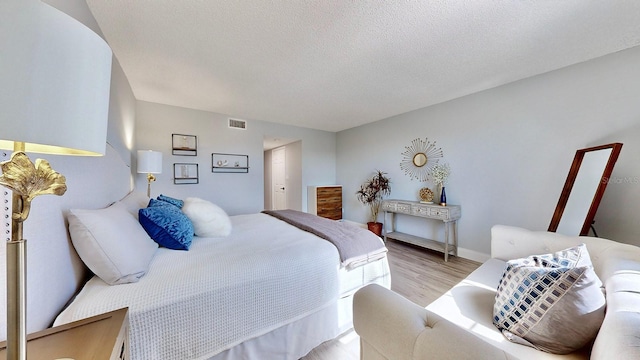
(418, 274)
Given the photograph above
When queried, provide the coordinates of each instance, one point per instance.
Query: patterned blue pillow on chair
(167, 226)
(552, 302)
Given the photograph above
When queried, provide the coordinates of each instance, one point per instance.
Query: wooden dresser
(325, 201)
(101, 337)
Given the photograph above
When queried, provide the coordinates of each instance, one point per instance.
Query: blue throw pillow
(177, 202)
(156, 203)
(167, 226)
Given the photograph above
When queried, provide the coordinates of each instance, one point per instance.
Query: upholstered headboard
(54, 270)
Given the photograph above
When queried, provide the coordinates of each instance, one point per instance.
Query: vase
(375, 227)
(443, 197)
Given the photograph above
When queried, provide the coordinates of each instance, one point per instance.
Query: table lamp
(149, 162)
(55, 76)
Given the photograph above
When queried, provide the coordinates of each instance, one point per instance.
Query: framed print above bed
(185, 173)
(184, 145)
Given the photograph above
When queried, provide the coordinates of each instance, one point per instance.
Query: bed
(267, 290)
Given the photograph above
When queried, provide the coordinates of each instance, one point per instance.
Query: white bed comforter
(194, 304)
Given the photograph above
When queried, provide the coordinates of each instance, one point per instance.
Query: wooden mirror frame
(568, 185)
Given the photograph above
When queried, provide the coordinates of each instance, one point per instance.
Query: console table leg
(446, 241)
(384, 226)
(455, 238)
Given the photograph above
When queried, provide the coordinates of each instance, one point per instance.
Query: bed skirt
(297, 339)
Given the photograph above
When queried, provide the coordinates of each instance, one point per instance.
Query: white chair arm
(387, 321)
(398, 329)
(443, 339)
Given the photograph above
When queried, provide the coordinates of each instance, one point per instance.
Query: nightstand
(104, 336)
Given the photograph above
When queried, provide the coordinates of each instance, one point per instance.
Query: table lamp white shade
(55, 78)
(149, 162)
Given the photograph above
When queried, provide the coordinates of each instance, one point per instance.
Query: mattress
(223, 291)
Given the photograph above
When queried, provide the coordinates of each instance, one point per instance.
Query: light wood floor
(418, 274)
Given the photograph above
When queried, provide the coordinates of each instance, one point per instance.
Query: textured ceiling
(336, 64)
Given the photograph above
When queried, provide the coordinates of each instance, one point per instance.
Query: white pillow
(135, 201)
(111, 243)
(208, 219)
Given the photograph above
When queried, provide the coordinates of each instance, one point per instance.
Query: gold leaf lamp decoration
(28, 181)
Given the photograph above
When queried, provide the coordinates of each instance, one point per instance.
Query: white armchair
(458, 325)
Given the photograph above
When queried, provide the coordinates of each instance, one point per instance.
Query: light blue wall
(236, 193)
(510, 149)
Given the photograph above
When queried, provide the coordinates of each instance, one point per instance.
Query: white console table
(449, 215)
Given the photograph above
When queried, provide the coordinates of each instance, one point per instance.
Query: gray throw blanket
(356, 246)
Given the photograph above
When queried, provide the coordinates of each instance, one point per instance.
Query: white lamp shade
(149, 162)
(55, 76)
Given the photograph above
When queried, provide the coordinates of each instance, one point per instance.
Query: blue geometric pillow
(167, 226)
(552, 302)
(177, 202)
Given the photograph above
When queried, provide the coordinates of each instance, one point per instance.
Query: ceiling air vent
(237, 124)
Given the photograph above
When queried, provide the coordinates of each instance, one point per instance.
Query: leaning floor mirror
(583, 189)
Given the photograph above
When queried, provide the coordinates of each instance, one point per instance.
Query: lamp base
(16, 300)
(27, 180)
(150, 178)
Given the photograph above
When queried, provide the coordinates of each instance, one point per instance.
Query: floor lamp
(149, 162)
(54, 99)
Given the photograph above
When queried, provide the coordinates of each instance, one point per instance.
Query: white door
(278, 177)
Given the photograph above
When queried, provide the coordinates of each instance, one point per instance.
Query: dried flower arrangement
(372, 191)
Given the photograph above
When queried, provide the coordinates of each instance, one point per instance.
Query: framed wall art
(185, 173)
(229, 163)
(184, 145)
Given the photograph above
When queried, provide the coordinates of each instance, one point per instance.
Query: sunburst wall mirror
(419, 158)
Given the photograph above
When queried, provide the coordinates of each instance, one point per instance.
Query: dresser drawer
(388, 206)
(419, 210)
(403, 208)
(329, 191)
(330, 213)
(440, 213)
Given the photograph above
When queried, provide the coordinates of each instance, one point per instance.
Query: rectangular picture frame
(185, 173)
(184, 145)
(229, 163)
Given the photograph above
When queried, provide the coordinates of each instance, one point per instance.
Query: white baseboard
(473, 255)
